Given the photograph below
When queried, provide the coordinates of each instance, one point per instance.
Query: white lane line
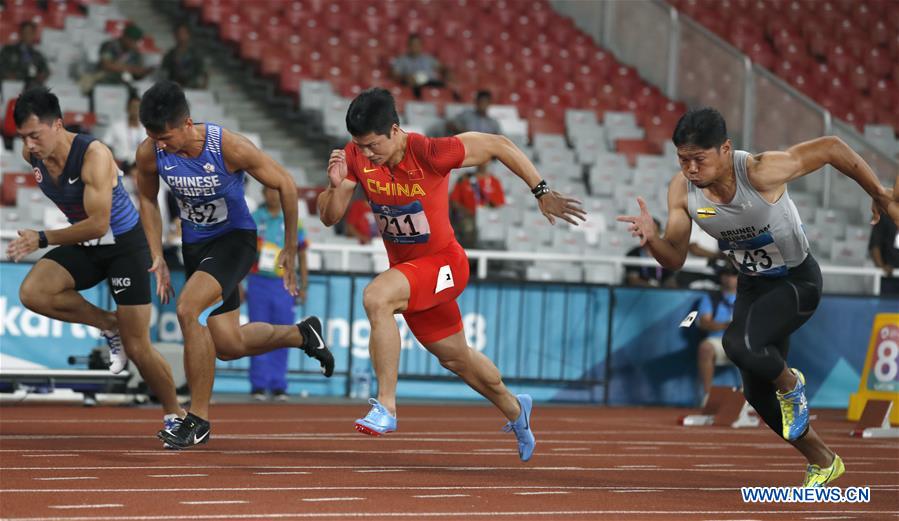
(639, 447)
(105, 505)
(380, 470)
(551, 514)
(280, 473)
(177, 475)
(65, 478)
(636, 466)
(637, 490)
(703, 465)
(181, 490)
(569, 449)
(831, 517)
(428, 496)
(492, 450)
(234, 502)
(50, 455)
(543, 493)
(314, 499)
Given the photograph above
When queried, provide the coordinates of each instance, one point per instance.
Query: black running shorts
(228, 258)
(124, 265)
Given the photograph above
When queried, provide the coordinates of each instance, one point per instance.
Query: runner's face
(378, 148)
(702, 167)
(39, 137)
(173, 139)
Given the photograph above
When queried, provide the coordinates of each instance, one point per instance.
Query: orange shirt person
(405, 178)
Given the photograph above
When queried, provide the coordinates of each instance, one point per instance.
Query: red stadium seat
(632, 147)
(12, 181)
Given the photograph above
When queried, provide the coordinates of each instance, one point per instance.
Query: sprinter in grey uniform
(742, 201)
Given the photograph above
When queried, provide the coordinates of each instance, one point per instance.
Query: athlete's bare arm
(241, 154)
(770, 171)
(671, 250)
(150, 216)
(99, 175)
(147, 191)
(481, 148)
(334, 201)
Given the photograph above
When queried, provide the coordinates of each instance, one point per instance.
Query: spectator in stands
(473, 190)
(124, 135)
(22, 61)
(492, 193)
(715, 314)
(267, 299)
(884, 248)
(121, 60)
(360, 221)
(184, 64)
(476, 119)
(418, 69)
(464, 201)
(648, 276)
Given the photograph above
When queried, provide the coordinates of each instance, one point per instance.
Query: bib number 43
(755, 261)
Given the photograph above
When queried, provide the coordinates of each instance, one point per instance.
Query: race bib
(107, 240)
(268, 257)
(405, 224)
(756, 256)
(204, 214)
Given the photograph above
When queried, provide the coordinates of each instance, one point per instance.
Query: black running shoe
(192, 431)
(315, 346)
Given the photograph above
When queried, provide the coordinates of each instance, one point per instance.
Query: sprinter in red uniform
(405, 178)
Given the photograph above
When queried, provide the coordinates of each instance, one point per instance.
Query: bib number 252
(205, 213)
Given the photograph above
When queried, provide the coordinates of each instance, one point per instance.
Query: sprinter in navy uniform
(204, 165)
(104, 241)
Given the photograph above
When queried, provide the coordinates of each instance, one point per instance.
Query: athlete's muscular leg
(49, 290)
(233, 341)
(200, 292)
(134, 329)
(476, 370)
(385, 296)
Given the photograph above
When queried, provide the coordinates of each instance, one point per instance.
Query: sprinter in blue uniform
(204, 165)
(105, 241)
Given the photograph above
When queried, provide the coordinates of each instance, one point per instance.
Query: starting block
(875, 421)
(725, 407)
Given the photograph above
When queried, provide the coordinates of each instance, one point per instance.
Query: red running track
(446, 462)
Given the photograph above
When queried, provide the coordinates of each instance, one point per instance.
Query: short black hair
(703, 128)
(27, 23)
(483, 94)
(372, 111)
(37, 101)
(163, 106)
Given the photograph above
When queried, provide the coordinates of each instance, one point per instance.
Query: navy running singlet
(68, 193)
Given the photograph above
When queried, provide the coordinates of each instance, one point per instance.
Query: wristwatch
(540, 190)
(42, 239)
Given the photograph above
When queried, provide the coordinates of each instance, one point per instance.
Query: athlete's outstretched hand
(554, 205)
(287, 262)
(642, 225)
(164, 288)
(337, 168)
(25, 243)
(887, 204)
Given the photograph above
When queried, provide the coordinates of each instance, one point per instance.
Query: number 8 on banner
(880, 376)
(886, 365)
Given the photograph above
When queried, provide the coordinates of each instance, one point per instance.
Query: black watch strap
(42, 239)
